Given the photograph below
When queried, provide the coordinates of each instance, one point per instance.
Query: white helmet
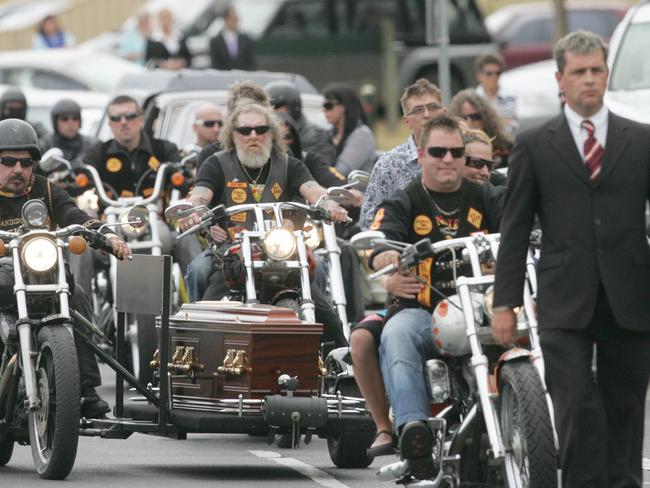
(448, 324)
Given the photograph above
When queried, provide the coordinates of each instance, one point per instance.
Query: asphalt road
(144, 461)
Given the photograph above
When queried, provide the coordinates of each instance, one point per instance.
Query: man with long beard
(254, 168)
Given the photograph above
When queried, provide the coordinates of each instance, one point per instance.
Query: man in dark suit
(586, 175)
(230, 49)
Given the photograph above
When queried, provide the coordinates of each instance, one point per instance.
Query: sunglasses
(118, 118)
(209, 123)
(476, 116)
(247, 131)
(441, 152)
(419, 109)
(278, 105)
(329, 105)
(67, 118)
(11, 162)
(492, 73)
(478, 163)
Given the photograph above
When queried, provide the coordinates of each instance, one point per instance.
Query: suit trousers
(599, 416)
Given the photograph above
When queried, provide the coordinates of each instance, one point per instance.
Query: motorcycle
(140, 331)
(39, 371)
(494, 423)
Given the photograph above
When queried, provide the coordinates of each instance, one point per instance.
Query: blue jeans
(406, 344)
(198, 274)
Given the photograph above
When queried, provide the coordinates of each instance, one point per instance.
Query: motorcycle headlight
(314, 234)
(35, 213)
(39, 254)
(280, 244)
(131, 231)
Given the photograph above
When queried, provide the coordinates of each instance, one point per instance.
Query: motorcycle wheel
(526, 424)
(54, 426)
(147, 345)
(348, 450)
(6, 450)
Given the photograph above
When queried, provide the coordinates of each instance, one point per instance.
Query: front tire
(6, 450)
(54, 426)
(526, 425)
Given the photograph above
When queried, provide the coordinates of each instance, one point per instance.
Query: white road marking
(318, 476)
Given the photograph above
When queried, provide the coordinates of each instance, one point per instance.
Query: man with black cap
(13, 105)
(285, 98)
(19, 152)
(66, 122)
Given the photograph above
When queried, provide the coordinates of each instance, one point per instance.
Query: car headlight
(129, 230)
(40, 254)
(314, 234)
(35, 213)
(488, 306)
(280, 244)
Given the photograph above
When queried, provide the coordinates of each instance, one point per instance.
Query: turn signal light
(177, 179)
(77, 245)
(82, 180)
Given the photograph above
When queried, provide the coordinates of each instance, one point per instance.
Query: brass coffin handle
(235, 363)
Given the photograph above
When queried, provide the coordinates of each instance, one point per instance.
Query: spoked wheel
(526, 426)
(54, 425)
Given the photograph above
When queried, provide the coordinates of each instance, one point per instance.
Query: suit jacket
(592, 233)
(220, 55)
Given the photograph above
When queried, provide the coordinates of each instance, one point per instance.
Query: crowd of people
(582, 178)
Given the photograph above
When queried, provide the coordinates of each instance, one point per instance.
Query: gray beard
(254, 160)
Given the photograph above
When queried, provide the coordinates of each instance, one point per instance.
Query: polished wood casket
(230, 350)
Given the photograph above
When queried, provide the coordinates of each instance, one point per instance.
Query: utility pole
(437, 32)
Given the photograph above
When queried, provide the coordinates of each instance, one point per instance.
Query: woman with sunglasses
(479, 114)
(479, 162)
(353, 139)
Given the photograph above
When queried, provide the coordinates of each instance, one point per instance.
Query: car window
(602, 22)
(298, 19)
(532, 31)
(631, 71)
(49, 80)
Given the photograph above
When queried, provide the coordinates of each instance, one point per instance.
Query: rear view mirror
(178, 209)
(52, 160)
(138, 216)
(359, 178)
(341, 196)
(367, 239)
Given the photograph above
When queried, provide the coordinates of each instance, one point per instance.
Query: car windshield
(631, 71)
(101, 73)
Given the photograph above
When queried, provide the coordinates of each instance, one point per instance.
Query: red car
(524, 32)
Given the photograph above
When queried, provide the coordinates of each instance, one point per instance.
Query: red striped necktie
(594, 151)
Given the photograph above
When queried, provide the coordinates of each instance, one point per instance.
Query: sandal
(385, 449)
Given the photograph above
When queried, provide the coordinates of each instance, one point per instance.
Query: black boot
(92, 405)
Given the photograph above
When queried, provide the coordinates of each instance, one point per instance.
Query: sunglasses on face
(247, 131)
(492, 73)
(478, 163)
(329, 105)
(11, 162)
(441, 152)
(67, 118)
(209, 123)
(118, 118)
(278, 105)
(476, 116)
(419, 109)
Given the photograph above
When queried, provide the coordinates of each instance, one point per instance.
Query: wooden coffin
(240, 349)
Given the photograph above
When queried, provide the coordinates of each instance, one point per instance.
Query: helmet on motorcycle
(285, 93)
(448, 324)
(65, 106)
(16, 134)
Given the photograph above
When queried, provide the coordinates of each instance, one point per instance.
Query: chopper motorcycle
(39, 371)
(493, 424)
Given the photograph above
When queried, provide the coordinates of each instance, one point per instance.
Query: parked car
(40, 103)
(628, 92)
(170, 98)
(524, 32)
(63, 69)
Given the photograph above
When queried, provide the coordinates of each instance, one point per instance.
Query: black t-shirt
(447, 211)
(211, 176)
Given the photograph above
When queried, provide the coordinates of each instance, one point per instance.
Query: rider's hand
(358, 197)
(384, 259)
(403, 285)
(504, 326)
(218, 234)
(189, 221)
(338, 213)
(120, 248)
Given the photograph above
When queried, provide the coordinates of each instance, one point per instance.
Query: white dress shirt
(580, 134)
